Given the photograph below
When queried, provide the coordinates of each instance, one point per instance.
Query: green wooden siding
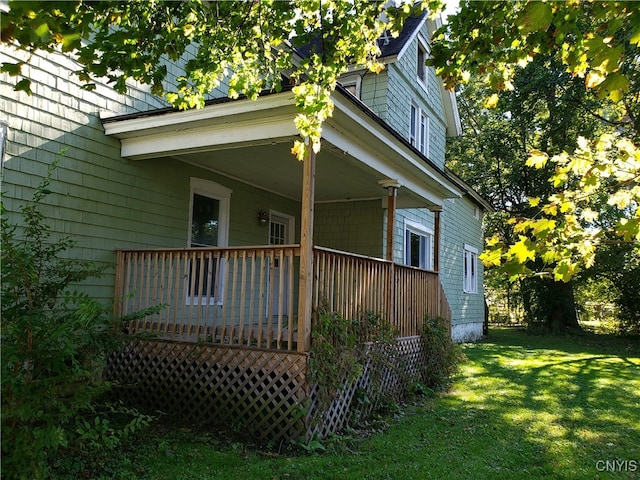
(350, 226)
(99, 199)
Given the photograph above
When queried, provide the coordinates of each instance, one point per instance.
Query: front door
(280, 228)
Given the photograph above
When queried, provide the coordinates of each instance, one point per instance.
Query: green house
(208, 212)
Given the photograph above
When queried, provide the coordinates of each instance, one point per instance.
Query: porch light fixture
(263, 218)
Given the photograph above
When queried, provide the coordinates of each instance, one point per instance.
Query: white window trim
(419, 229)
(222, 194)
(470, 284)
(419, 136)
(426, 48)
(292, 225)
(352, 81)
(216, 191)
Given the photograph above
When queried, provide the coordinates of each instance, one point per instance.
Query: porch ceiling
(251, 142)
(272, 167)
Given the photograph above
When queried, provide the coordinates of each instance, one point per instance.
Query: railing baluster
(290, 263)
(223, 297)
(270, 300)
(237, 294)
(216, 292)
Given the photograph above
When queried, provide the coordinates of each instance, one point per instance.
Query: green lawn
(521, 407)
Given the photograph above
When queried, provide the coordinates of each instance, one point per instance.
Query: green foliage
(341, 347)
(556, 210)
(576, 119)
(54, 346)
(610, 292)
(246, 45)
(443, 357)
(490, 39)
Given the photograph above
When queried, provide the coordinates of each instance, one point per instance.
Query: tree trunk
(562, 314)
(549, 305)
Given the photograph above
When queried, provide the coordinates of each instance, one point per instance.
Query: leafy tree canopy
(595, 41)
(247, 44)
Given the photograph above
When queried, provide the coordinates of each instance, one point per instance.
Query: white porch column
(306, 252)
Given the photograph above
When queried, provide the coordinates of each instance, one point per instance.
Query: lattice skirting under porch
(387, 377)
(262, 392)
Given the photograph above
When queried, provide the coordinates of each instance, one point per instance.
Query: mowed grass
(521, 407)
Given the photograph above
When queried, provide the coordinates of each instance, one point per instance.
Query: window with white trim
(208, 227)
(421, 68)
(470, 269)
(418, 245)
(419, 134)
(352, 84)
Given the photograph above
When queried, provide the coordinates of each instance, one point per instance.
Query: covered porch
(234, 336)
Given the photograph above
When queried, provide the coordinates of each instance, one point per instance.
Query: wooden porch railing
(351, 284)
(249, 295)
(231, 296)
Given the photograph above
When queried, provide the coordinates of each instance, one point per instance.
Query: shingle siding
(102, 201)
(459, 227)
(350, 226)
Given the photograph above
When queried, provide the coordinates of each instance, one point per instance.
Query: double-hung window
(419, 134)
(423, 53)
(470, 269)
(418, 245)
(208, 227)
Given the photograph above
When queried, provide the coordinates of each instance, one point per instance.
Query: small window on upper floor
(352, 84)
(423, 55)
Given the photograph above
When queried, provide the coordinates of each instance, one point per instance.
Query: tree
(546, 109)
(598, 43)
(246, 44)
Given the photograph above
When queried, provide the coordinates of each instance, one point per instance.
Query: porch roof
(251, 141)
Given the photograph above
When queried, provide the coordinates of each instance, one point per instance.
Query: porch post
(306, 252)
(436, 258)
(392, 192)
(436, 240)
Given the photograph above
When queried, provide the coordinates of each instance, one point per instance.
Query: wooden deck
(229, 345)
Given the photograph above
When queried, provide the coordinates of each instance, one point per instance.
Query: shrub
(442, 355)
(54, 345)
(341, 348)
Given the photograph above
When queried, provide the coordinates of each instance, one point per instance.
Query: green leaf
(537, 16)
(42, 30)
(523, 250)
(491, 258)
(23, 85)
(613, 86)
(12, 69)
(537, 159)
